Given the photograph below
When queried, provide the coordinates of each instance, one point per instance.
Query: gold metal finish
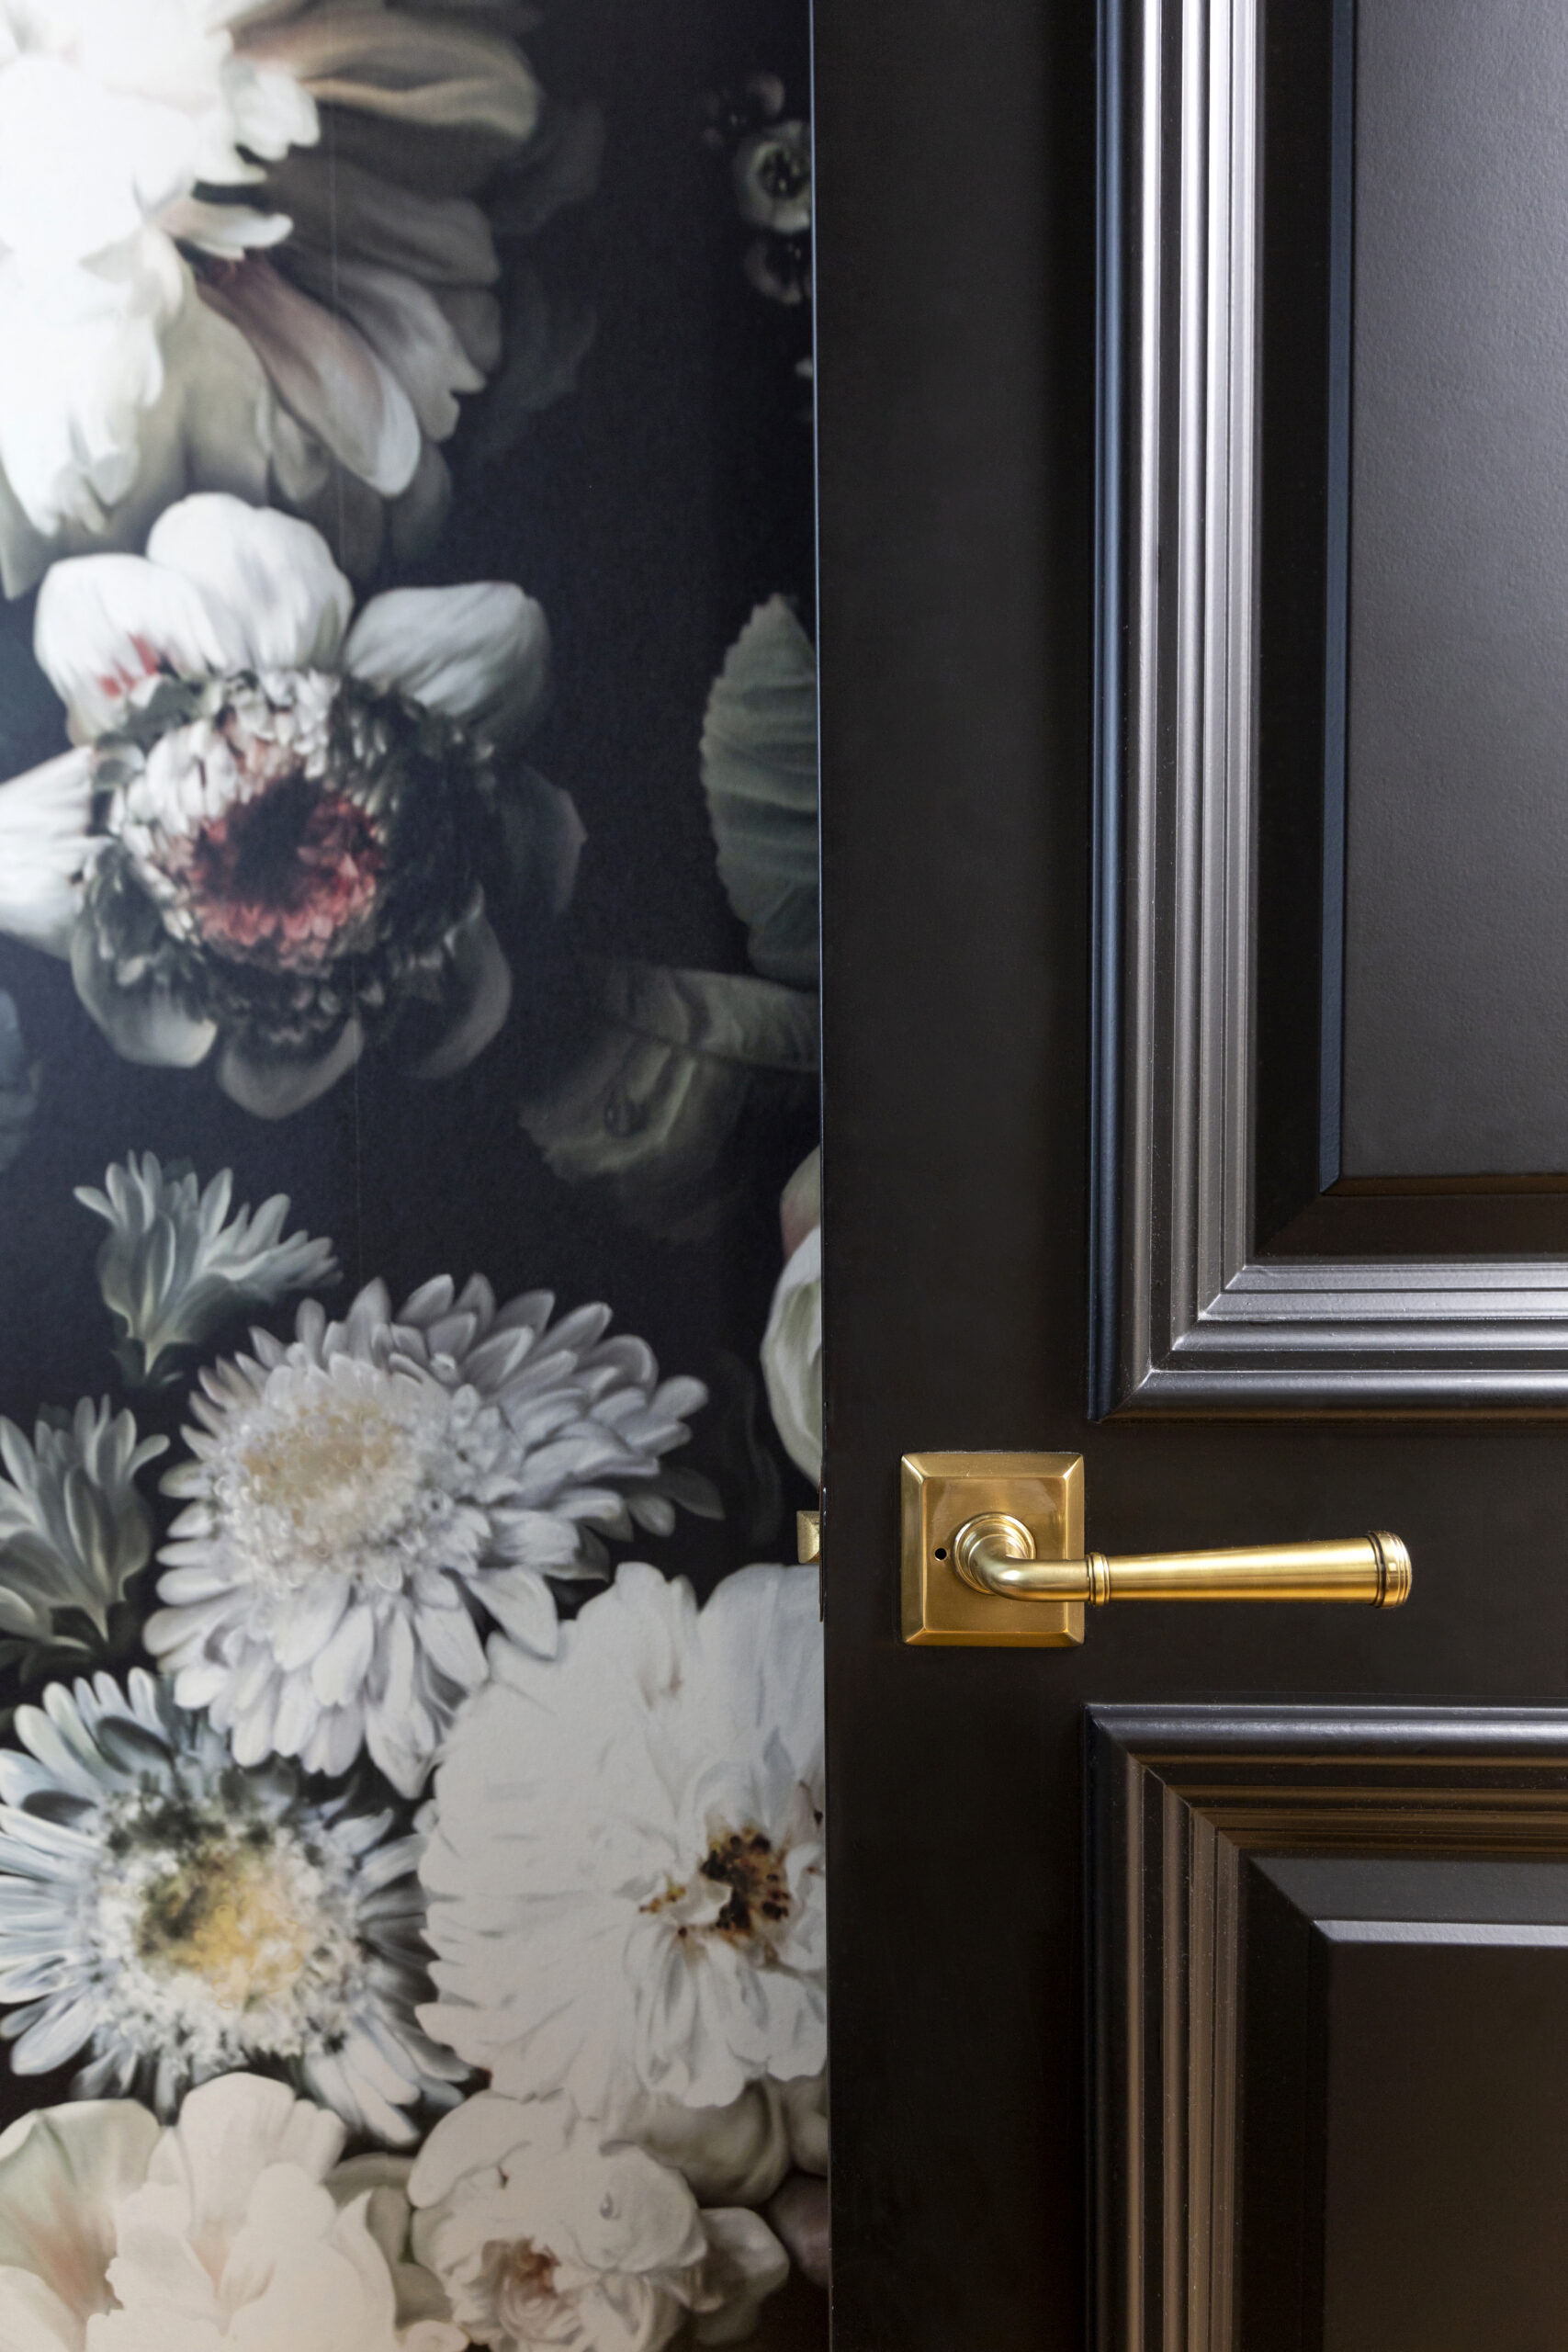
(994, 1553)
(807, 1536)
(1041, 1492)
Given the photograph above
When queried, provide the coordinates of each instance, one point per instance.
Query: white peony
(176, 1265)
(354, 1500)
(177, 1918)
(625, 1862)
(224, 2231)
(792, 1345)
(543, 2235)
(239, 250)
(280, 836)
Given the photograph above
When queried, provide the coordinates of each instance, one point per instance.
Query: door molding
(1188, 1317)
(1183, 1804)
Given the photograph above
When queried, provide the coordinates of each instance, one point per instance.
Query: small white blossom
(74, 1528)
(625, 1863)
(176, 1265)
(180, 1919)
(542, 2235)
(355, 1501)
(230, 2231)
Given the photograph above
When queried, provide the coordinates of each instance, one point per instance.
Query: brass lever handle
(993, 1556)
(995, 1552)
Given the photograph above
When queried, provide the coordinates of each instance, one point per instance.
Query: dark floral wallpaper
(411, 1903)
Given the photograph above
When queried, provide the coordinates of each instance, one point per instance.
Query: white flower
(354, 1500)
(736, 2155)
(74, 1529)
(228, 2230)
(278, 839)
(792, 1345)
(175, 1266)
(183, 1918)
(239, 251)
(625, 1865)
(772, 177)
(542, 2235)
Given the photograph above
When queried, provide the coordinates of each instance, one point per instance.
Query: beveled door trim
(1183, 1319)
(1178, 1799)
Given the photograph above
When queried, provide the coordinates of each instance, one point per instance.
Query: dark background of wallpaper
(649, 511)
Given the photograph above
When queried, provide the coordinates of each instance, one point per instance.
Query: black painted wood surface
(956, 384)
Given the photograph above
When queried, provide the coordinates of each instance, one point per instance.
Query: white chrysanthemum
(792, 1344)
(625, 1863)
(175, 1265)
(354, 1500)
(239, 251)
(230, 2231)
(181, 1917)
(542, 2235)
(74, 1529)
(292, 824)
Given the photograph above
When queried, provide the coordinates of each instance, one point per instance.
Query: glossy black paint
(1328, 1955)
(957, 372)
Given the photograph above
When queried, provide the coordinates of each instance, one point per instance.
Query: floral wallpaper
(411, 1898)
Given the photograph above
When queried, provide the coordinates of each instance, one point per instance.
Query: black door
(1190, 441)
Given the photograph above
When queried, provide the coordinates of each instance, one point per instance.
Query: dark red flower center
(284, 879)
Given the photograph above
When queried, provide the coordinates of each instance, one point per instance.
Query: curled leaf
(678, 1060)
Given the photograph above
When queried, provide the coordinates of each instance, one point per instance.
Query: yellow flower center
(230, 1918)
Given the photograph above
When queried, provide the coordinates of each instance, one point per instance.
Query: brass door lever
(994, 1554)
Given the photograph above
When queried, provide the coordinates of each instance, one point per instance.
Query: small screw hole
(942, 1551)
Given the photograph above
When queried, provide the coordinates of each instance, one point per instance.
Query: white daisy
(542, 2235)
(235, 2228)
(239, 250)
(175, 1265)
(625, 1862)
(179, 1918)
(277, 842)
(354, 1500)
(74, 1528)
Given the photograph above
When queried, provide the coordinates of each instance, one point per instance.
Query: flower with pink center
(286, 828)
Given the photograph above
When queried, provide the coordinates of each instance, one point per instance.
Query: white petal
(144, 1024)
(404, 325)
(326, 372)
(450, 75)
(43, 840)
(521, 1603)
(34, 2318)
(62, 2171)
(277, 1087)
(275, 575)
(106, 622)
(479, 653)
(484, 976)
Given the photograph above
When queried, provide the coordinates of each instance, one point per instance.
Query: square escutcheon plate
(940, 1491)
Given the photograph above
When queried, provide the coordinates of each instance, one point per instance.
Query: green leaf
(679, 1060)
(759, 762)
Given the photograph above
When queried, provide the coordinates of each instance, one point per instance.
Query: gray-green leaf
(759, 760)
(678, 1057)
